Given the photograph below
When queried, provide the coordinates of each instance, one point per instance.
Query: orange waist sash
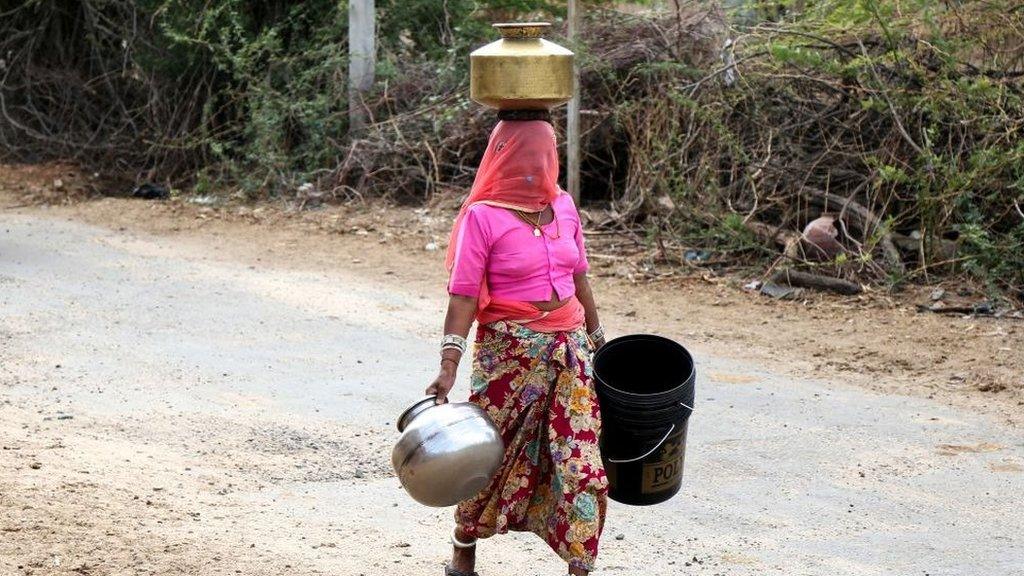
(567, 318)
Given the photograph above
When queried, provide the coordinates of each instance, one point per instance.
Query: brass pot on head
(522, 71)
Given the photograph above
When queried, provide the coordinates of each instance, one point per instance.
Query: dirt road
(168, 407)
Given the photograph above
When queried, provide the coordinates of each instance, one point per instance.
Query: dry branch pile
(72, 87)
(905, 127)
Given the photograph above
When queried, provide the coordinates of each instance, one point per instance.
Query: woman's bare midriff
(553, 304)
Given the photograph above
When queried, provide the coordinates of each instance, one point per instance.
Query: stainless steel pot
(447, 453)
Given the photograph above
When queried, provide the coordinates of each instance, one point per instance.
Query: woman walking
(519, 268)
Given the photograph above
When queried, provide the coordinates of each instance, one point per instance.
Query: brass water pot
(522, 71)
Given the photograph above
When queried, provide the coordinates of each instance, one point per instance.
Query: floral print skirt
(538, 389)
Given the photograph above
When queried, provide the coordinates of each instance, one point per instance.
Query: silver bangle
(453, 347)
(597, 334)
(454, 342)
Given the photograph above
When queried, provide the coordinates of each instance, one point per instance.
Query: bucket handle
(656, 446)
(649, 452)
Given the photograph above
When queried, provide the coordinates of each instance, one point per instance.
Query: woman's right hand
(443, 384)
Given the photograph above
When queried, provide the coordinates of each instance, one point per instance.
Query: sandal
(449, 571)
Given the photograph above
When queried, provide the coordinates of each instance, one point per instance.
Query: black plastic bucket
(646, 387)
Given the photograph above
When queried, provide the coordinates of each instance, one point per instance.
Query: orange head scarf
(519, 170)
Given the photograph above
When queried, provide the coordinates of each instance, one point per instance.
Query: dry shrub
(421, 142)
(71, 88)
(428, 136)
(909, 133)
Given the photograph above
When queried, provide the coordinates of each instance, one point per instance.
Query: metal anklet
(459, 544)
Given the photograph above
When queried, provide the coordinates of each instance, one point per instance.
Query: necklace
(535, 224)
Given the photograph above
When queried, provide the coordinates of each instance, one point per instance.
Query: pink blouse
(519, 265)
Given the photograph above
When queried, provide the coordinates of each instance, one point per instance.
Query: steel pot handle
(649, 452)
(414, 410)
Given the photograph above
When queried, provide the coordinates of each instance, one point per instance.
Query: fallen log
(769, 233)
(788, 239)
(982, 309)
(942, 248)
(816, 281)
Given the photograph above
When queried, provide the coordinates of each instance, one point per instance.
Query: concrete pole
(362, 58)
(572, 117)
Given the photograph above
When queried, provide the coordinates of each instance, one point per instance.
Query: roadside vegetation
(716, 133)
